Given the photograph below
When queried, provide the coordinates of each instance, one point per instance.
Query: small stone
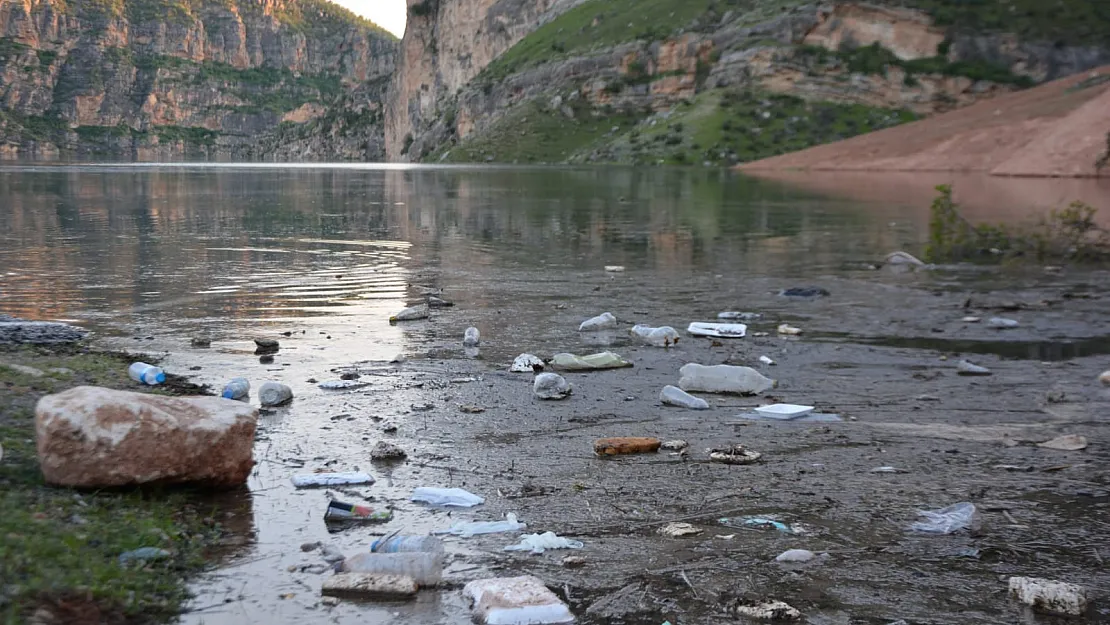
(329, 601)
(387, 451)
(770, 610)
(675, 445)
(574, 562)
(306, 547)
(266, 346)
(795, 555)
(389, 428)
(471, 409)
(200, 342)
(551, 386)
(1105, 378)
(370, 586)
(678, 530)
(267, 359)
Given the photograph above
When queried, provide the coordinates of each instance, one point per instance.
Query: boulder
(18, 332)
(91, 437)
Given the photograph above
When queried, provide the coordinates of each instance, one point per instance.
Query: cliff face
(162, 78)
(446, 44)
(715, 81)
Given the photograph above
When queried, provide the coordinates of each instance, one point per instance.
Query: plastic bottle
(674, 396)
(426, 568)
(237, 388)
(664, 336)
(274, 394)
(146, 374)
(407, 544)
(471, 337)
(723, 379)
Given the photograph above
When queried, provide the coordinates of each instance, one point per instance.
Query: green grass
(187, 134)
(875, 59)
(59, 549)
(10, 48)
(535, 134)
(1068, 21)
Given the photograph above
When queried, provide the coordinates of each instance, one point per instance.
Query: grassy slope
(723, 128)
(59, 549)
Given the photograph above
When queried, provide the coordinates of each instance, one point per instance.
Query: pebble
(1002, 323)
(789, 330)
(574, 562)
(387, 451)
(678, 530)
(1105, 378)
(200, 341)
(795, 555)
(310, 546)
(389, 428)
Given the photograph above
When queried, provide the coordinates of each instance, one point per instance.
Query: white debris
(770, 610)
(788, 330)
(678, 530)
(1049, 596)
(526, 363)
(795, 555)
(604, 321)
(551, 386)
(1070, 442)
(766, 360)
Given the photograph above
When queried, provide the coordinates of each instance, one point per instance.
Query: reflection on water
(194, 247)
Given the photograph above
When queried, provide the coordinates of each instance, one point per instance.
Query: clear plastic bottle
(664, 336)
(723, 379)
(674, 396)
(425, 567)
(274, 394)
(407, 544)
(237, 388)
(146, 374)
(471, 337)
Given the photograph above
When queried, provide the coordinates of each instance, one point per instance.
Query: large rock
(92, 437)
(38, 332)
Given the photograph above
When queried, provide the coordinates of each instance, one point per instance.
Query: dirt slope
(1057, 129)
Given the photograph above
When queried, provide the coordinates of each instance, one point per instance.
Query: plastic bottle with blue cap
(146, 374)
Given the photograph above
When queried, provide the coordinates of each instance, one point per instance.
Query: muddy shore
(881, 352)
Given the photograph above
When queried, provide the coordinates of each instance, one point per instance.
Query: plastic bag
(474, 528)
(604, 360)
(306, 480)
(456, 497)
(537, 543)
(946, 520)
(604, 321)
(664, 336)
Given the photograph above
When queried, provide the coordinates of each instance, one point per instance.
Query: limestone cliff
(713, 81)
(165, 78)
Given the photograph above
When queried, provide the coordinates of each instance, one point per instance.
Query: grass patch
(10, 48)
(190, 136)
(535, 134)
(59, 549)
(1067, 234)
(1068, 21)
(875, 59)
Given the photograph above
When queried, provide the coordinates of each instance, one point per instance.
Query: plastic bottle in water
(237, 388)
(274, 394)
(425, 568)
(407, 544)
(146, 374)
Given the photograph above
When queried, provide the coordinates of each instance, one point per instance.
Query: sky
(389, 14)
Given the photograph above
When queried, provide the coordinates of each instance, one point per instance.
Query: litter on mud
(551, 386)
(411, 313)
(766, 360)
(370, 586)
(604, 321)
(718, 330)
(538, 543)
(626, 445)
(310, 480)
(795, 555)
(674, 396)
(343, 512)
(723, 379)
(1070, 442)
(592, 362)
(771, 610)
(758, 522)
(679, 530)
(515, 601)
(786, 329)
(342, 385)
(526, 363)
(423, 567)
(1002, 323)
(965, 367)
(947, 520)
(784, 411)
(466, 529)
(664, 336)
(449, 497)
(739, 316)
(735, 454)
(804, 292)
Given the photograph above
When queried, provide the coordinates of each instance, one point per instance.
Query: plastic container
(718, 330)
(454, 497)
(604, 321)
(466, 529)
(472, 337)
(274, 394)
(424, 567)
(237, 388)
(664, 336)
(674, 396)
(551, 386)
(723, 379)
(515, 601)
(407, 544)
(784, 411)
(146, 374)
(411, 314)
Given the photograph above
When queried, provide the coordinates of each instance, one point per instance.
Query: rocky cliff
(212, 78)
(713, 81)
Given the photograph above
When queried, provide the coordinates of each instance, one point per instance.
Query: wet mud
(881, 352)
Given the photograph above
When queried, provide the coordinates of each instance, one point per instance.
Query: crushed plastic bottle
(471, 337)
(466, 529)
(664, 336)
(592, 362)
(526, 363)
(274, 394)
(723, 379)
(407, 544)
(674, 396)
(947, 520)
(424, 567)
(538, 543)
(739, 316)
(411, 313)
(604, 321)
(146, 374)
(308, 480)
(237, 388)
(455, 497)
(1002, 323)
(551, 386)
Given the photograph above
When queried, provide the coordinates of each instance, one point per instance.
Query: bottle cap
(160, 377)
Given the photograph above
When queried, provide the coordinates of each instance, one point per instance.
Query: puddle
(1042, 351)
